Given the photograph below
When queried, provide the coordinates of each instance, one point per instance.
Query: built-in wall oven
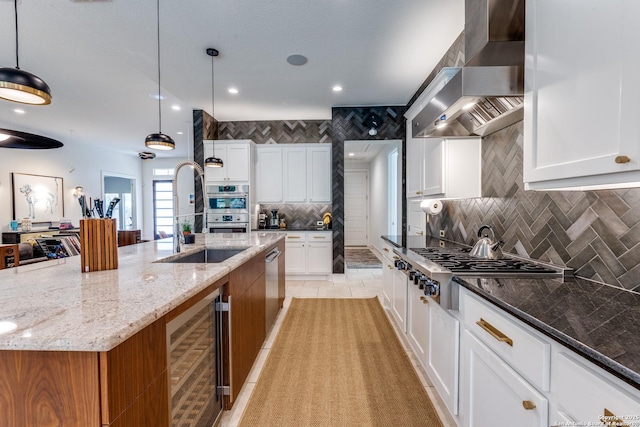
(227, 208)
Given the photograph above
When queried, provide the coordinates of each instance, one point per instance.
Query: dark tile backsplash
(597, 233)
(302, 215)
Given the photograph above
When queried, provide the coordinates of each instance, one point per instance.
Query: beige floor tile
(351, 282)
(318, 283)
(365, 292)
(338, 277)
(334, 292)
(302, 292)
(372, 283)
(294, 283)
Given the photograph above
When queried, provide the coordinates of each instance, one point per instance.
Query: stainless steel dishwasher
(271, 304)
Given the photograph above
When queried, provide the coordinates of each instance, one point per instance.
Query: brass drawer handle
(396, 258)
(419, 233)
(622, 159)
(418, 192)
(494, 332)
(610, 419)
(424, 300)
(528, 405)
(293, 237)
(390, 268)
(319, 237)
(385, 249)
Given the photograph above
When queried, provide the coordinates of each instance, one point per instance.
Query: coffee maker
(262, 220)
(274, 223)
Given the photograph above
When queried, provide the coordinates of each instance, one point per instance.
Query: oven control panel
(219, 218)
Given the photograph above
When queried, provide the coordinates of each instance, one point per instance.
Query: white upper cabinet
(581, 94)
(293, 173)
(236, 156)
(269, 174)
(319, 174)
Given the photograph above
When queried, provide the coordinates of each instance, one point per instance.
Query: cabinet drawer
(524, 351)
(296, 236)
(319, 236)
(387, 250)
(585, 395)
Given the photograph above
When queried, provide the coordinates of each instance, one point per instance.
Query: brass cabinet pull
(293, 237)
(528, 405)
(390, 268)
(622, 159)
(610, 419)
(419, 233)
(424, 300)
(385, 249)
(494, 332)
(396, 258)
(418, 192)
(319, 237)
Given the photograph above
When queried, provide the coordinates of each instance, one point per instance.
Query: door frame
(366, 173)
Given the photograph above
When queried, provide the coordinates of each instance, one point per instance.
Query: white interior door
(356, 208)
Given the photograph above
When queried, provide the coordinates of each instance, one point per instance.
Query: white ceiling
(362, 151)
(99, 58)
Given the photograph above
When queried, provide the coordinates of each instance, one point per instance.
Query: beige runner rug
(338, 362)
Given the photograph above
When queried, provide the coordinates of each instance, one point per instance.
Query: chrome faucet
(177, 236)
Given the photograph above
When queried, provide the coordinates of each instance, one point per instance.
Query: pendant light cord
(15, 6)
(159, 95)
(212, 91)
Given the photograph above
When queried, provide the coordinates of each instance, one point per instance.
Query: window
(162, 208)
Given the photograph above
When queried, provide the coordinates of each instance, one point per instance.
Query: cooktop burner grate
(459, 261)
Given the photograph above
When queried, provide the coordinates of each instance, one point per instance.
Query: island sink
(207, 256)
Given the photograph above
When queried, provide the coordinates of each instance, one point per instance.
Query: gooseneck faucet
(177, 236)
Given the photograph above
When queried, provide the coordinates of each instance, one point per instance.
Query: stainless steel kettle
(485, 247)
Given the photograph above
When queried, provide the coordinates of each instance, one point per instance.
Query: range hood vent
(486, 94)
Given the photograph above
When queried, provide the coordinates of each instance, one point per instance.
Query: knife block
(98, 245)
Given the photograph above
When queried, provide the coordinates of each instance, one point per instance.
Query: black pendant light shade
(28, 141)
(213, 162)
(159, 141)
(20, 86)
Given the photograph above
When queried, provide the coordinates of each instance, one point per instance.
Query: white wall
(185, 188)
(77, 163)
(379, 191)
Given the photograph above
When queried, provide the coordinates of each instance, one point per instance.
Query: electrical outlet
(441, 233)
(441, 244)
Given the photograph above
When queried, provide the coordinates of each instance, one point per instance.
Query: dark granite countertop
(597, 321)
(290, 229)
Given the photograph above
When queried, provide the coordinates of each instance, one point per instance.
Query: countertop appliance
(274, 223)
(432, 270)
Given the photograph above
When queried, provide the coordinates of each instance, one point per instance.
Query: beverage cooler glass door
(194, 345)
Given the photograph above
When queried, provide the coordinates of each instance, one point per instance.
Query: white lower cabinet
(443, 354)
(387, 274)
(418, 322)
(309, 253)
(399, 298)
(494, 394)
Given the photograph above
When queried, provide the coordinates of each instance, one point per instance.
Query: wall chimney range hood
(486, 94)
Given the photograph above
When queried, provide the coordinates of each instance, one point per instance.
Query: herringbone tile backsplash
(278, 132)
(301, 215)
(597, 233)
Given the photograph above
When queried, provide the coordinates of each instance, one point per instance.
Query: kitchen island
(89, 348)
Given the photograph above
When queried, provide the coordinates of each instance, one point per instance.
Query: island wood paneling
(49, 388)
(149, 409)
(129, 369)
(281, 275)
(196, 299)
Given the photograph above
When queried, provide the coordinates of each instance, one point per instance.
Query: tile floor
(362, 283)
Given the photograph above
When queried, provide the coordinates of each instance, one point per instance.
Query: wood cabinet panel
(195, 299)
(128, 237)
(281, 274)
(150, 409)
(243, 277)
(127, 370)
(49, 388)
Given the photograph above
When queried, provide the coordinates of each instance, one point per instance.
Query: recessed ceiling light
(233, 90)
(352, 154)
(297, 59)
(175, 107)
(156, 96)
(179, 133)
(19, 111)
(337, 88)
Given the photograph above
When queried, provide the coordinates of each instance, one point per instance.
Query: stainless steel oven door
(228, 203)
(241, 227)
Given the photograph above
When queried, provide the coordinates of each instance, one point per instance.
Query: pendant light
(213, 162)
(159, 141)
(20, 86)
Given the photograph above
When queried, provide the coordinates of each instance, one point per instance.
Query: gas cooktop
(459, 262)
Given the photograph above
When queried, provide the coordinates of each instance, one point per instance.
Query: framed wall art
(37, 197)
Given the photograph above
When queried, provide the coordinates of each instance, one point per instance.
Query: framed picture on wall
(37, 197)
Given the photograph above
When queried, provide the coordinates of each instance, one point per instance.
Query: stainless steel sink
(207, 256)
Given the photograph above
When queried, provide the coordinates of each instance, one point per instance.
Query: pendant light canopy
(213, 162)
(159, 141)
(20, 86)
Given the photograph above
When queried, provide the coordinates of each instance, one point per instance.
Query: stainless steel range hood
(487, 94)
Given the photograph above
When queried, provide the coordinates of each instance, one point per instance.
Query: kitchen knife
(99, 204)
(112, 205)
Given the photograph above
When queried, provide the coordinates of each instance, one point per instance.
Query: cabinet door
(319, 174)
(433, 183)
(319, 257)
(387, 281)
(269, 174)
(494, 394)
(417, 219)
(296, 257)
(236, 163)
(217, 174)
(581, 92)
(418, 322)
(295, 174)
(399, 299)
(415, 164)
(462, 167)
(443, 355)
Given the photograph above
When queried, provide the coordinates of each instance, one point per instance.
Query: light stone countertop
(52, 305)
